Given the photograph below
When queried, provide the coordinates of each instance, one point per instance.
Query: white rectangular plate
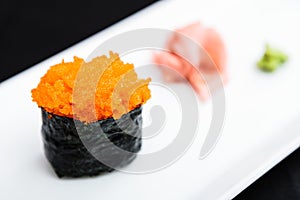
(262, 111)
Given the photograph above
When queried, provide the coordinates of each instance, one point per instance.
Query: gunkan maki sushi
(91, 115)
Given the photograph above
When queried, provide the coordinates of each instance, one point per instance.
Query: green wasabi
(272, 59)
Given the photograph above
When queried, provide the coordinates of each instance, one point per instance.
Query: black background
(34, 30)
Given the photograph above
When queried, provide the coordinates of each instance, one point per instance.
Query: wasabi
(272, 59)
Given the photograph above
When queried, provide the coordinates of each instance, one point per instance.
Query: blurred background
(32, 31)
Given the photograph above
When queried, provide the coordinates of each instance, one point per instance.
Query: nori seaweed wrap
(68, 155)
(92, 115)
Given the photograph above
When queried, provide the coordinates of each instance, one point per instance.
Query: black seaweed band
(69, 157)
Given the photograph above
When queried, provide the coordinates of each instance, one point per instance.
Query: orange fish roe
(90, 91)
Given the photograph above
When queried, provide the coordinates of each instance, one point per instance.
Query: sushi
(91, 115)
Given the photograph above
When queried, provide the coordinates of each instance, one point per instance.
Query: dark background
(31, 31)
